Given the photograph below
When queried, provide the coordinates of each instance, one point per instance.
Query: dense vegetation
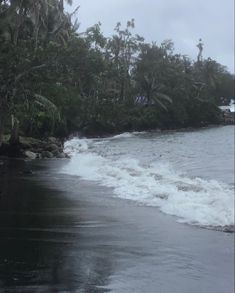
(54, 80)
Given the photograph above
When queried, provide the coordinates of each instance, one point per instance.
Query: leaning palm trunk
(15, 136)
(1, 129)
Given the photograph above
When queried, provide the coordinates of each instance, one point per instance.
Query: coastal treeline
(55, 80)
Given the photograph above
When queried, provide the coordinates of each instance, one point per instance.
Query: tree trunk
(15, 137)
(61, 5)
(1, 130)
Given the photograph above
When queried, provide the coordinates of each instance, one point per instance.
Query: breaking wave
(195, 201)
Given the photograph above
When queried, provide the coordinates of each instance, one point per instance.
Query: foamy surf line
(193, 200)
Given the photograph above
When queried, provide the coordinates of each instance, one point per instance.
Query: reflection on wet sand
(61, 234)
(43, 247)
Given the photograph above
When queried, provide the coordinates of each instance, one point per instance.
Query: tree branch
(19, 76)
(75, 11)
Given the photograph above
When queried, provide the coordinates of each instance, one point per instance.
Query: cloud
(183, 21)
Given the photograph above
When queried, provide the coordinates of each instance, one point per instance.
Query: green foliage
(56, 81)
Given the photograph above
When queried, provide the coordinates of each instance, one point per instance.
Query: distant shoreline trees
(56, 81)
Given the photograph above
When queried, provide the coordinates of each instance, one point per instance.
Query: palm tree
(148, 73)
(26, 24)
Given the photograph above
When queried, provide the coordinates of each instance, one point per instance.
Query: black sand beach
(61, 234)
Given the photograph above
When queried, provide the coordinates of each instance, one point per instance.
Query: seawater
(186, 174)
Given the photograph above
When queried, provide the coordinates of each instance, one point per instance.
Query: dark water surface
(61, 234)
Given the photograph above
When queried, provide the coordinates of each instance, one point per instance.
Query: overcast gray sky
(183, 21)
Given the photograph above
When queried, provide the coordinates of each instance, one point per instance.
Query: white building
(228, 108)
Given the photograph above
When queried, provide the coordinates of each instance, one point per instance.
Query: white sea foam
(122, 135)
(192, 200)
(126, 135)
(75, 146)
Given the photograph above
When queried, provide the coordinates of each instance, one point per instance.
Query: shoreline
(34, 148)
(107, 135)
(60, 233)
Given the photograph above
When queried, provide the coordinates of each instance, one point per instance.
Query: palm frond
(160, 103)
(47, 105)
(163, 97)
(159, 98)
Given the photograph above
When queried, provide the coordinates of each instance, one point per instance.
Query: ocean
(137, 212)
(187, 174)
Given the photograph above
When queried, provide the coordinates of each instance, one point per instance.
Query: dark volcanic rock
(51, 147)
(30, 155)
(47, 154)
(56, 153)
(61, 156)
(33, 148)
(52, 139)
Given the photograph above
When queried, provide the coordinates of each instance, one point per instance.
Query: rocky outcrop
(47, 155)
(32, 148)
(30, 155)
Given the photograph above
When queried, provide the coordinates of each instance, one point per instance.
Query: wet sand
(61, 234)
